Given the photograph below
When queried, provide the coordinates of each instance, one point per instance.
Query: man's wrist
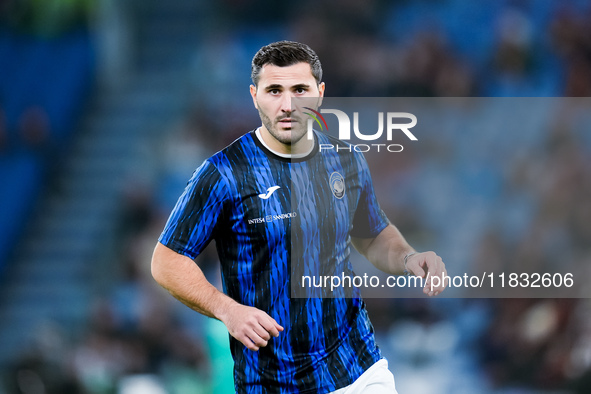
(406, 257)
(224, 307)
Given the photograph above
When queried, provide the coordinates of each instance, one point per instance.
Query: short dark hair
(283, 54)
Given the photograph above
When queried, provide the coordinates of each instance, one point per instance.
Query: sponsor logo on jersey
(270, 191)
(272, 218)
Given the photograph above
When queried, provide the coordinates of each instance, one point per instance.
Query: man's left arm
(388, 252)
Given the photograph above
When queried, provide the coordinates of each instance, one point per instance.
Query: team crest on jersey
(337, 185)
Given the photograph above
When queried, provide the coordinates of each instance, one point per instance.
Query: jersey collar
(256, 136)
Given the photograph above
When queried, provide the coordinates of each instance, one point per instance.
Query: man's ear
(321, 87)
(253, 94)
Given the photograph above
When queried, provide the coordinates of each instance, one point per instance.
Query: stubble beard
(286, 136)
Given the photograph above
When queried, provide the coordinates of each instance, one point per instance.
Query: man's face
(283, 125)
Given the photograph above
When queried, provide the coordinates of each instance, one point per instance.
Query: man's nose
(286, 103)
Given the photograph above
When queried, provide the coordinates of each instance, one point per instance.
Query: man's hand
(386, 252)
(251, 326)
(427, 265)
(184, 280)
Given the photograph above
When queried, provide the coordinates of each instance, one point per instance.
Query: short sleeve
(369, 219)
(193, 220)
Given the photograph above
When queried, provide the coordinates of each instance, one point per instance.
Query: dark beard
(269, 125)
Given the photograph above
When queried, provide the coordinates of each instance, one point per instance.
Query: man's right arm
(186, 282)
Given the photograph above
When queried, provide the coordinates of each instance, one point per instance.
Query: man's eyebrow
(301, 86)
(273, 86)
(279, 87)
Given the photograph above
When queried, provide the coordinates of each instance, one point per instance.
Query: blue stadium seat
(51, 73)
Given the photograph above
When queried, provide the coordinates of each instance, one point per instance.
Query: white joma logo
(270, 191)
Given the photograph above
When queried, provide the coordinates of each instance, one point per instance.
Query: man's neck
(286, 151)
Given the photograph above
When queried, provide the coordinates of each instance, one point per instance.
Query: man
(274, 204)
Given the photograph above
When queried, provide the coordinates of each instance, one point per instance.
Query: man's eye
(274, 91)
(300, 90)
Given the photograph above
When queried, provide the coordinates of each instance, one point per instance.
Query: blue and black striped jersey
(274, 219)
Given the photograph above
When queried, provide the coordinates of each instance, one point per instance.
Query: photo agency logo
(396, 122)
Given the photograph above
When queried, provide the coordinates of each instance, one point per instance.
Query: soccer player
(274, 203)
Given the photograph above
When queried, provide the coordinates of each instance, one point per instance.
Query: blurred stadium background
(107, 107)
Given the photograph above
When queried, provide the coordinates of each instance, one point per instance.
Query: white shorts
(376, 380)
